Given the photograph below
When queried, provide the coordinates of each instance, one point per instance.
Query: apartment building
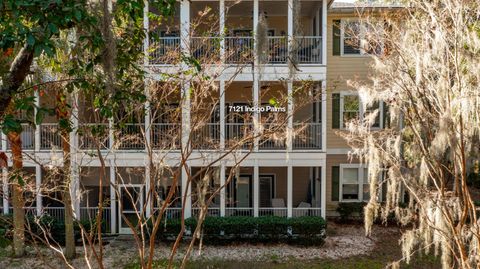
(306, 175)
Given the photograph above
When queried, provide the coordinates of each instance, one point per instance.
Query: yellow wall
(334, 160)
(340, 69)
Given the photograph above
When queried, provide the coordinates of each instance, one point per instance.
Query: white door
(130, 207)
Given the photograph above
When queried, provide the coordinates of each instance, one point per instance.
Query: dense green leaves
(307, 230)
(38, 22)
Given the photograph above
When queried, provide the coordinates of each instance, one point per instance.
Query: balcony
(238, 50)
(167, 136)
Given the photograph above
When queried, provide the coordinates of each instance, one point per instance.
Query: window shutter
(386, 116)
(335, 183)
(335, 111)
(336, 37)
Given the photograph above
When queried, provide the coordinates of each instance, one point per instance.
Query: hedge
(54, 227)
(308, 230)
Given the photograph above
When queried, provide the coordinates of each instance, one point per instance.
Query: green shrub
(36, 227)
(266, 229)
(349, 210)
(308, 230)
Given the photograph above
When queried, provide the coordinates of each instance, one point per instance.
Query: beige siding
(334, 160)
(341, 69)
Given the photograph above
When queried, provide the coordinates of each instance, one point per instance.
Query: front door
(243, 191)
(131, 199)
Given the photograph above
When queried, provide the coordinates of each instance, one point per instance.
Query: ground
(345, 247)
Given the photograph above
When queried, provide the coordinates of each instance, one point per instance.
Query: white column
(37, 127)
(185, 45)
(290, 25)
(289, 190)
(74, 173)
(256, 114)
(290, 115)
(185, 122)
(38, 184)
(222, 190)
(324, 188)
(222, 30)
(185, 26)
(256, 82)
(146, 41)
(256, 187)
(5, 190)
(148, 123)
(324, 32)
(255, 19)
(149, 198)
(113, 198)
(222, 114)
(324, 116)
(186, 192)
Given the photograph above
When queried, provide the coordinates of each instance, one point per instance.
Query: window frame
(361, 112)
(361, 176)
(363, 41)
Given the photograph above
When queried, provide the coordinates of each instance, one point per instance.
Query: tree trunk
(17, 196)
(67, 199)
(18, 72)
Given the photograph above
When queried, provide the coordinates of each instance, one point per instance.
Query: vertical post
(255, 20)
(222, 190)
(38, 184)
(222, 114)
(185, 44)
(324, 116)
(37, 128)
(289, 190)
(317, 22)
(74, 173)
(185, 26)
(256, 77)
(148, 150)
(290, 26)
(6, 206)
(323, 195)
(256, 114)
(256, 187)
(186, 192)
(113, 198)
(324, 32)
(290, 116)
(149, 196)
(222, 30)
(146, 41)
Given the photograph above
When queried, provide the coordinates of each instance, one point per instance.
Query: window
(354, 183)
(351, 108)
(371, 109)
(351, 37)
(357, 38)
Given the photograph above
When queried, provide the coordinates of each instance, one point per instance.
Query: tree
(428, 76)
(31, 30)
(28, 29)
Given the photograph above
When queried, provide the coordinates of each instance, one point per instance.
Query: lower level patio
(245, 191)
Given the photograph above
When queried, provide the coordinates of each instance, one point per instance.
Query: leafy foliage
(306, 230)
(349, 210)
